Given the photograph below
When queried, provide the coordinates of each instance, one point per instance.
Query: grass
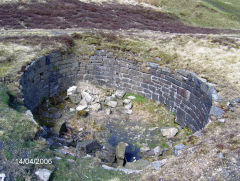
(84, 169)
(206, 13)
(134, 48)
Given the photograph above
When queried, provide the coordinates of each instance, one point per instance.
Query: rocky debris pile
(89, 98)
(43, 174)
(104, 124)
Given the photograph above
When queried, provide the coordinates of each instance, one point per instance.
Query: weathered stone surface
(144, 149)
(86, 96)
(128, 111)
(112, 104)
(128, 106)
(71, 90)
(234, 101)
(127, 101)
(96, 107)
(169, 132)
(158, 151)
(81, 107)
(120, 153)
(108, 111)
(107, 154)
(43, 174)
(158, 164)
(75, 98)
(89, 146)
(2, 176)
(120, 150)
(120, 93)
(131, 97)
(137, 165)
(216, 111)
(126, 171)
(178, 149)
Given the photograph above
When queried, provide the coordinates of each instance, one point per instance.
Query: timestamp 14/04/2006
(35, 161)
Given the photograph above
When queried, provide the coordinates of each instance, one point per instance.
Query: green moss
(139, 98)
(82, 113)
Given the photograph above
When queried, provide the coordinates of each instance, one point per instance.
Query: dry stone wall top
(184, 93)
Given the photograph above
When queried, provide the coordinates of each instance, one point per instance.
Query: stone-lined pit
(184, 93)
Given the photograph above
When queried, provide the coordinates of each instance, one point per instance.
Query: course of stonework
(184, 93)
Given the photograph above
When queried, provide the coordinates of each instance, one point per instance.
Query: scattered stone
(153, 65)
(221, 120)
(144, 149)
(126, 101)
(127, 171)
(158, 59)
(158, 164)
(75, 98)
(128, 106)
(2, 176)
(158, 151)
(149, 153)
(128, 111)
(96, 107)
(67, 151)
(71, 90)
(58, 158)
(152, 129)
(137, 165)
(220, 155)
(131, 97)
(120, 93)
(108, 111)
(43, 174)
(87, 97)
(83, 102)
(1, 133)
(71, 109)
(120, 153)
(112, 104)
(169, 132)
(111, 98)
(81, 107)
(234, 102)
(178, 149)
(87, 156)
(216, 111)
(89, 146)
(107, 154)
(30, 116)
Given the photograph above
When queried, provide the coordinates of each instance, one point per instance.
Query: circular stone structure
(183, 92)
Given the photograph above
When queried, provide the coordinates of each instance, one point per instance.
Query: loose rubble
(104, 124)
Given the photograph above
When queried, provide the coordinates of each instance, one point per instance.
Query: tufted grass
(205, 13)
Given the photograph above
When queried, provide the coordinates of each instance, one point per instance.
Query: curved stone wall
(182, 92)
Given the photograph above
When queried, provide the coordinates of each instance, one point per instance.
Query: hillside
(98, 47)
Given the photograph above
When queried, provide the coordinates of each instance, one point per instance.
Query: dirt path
(75, 14)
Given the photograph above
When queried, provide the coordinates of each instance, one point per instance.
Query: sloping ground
(73, 13)
(202, 13)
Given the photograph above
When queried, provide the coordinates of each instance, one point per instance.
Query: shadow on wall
(61, 14)
(184, 93)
